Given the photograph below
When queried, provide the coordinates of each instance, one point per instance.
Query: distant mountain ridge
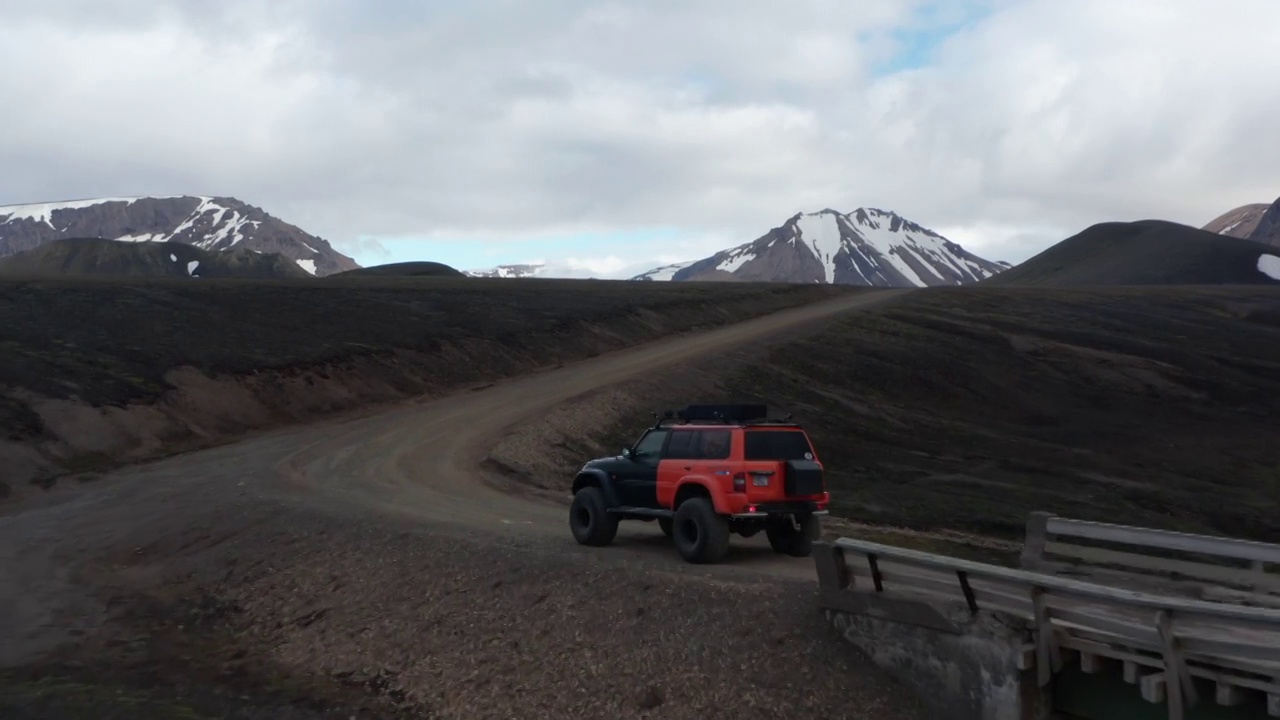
(209, 223)
(869, 246)
(100, 257)
(1147, 252)
(1258, 222)
(519, 270)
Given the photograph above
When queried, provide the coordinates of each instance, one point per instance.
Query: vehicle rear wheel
(701, 535)
(589, 519)
(794, 537)
(665, 524)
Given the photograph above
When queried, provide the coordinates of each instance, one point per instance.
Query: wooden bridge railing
(1120, 552)
(1235, 647)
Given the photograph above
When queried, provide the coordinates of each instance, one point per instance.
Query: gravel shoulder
(367, 568)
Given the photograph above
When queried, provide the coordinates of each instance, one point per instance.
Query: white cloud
(722, 118)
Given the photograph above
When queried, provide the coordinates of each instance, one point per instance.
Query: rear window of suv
(776, 445)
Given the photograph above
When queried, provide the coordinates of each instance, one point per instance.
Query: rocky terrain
(1258, 222)
(1147, 252)
(96, 257)
(867, 247)
(209, 223)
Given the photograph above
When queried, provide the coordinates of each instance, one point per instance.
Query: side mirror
(626, 453)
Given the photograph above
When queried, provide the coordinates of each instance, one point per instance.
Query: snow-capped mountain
(550, 270)
(1258, 222)
(209, 223)
(510, 271)
(865, 247)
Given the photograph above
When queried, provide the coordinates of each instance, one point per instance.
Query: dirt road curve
(425, 459)
(399, 486)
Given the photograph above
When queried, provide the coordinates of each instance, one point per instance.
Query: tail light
(740, 482)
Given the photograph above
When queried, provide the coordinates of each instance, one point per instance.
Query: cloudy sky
(611, 136)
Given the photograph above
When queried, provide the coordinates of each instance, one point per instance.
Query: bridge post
(964, 665)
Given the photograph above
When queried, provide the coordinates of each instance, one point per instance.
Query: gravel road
(373, 553)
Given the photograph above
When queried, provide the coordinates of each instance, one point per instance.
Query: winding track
(421, 459)
(425, 459)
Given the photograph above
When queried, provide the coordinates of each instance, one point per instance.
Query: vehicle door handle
(688, 467)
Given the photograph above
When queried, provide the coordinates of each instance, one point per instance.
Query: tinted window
(776, 445)
(650, 446)
(714, 444)
(683, 445)
(700, 444)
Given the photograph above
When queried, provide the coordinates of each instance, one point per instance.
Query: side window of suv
(700, 444)
(715, 444)
(650, 446)
(684, 445)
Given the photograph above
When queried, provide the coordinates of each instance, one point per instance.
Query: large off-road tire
(588, 519)
(701, 535)
(665, 524)
(794, 537)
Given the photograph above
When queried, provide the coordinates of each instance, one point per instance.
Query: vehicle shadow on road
(647, 543)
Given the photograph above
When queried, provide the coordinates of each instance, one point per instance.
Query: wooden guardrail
(1054, 544)
(1237, 648)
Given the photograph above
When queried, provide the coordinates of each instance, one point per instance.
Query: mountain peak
(870, 246)
(208, 222)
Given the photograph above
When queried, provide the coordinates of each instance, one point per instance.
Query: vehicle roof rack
(730, 413)
(723, 414)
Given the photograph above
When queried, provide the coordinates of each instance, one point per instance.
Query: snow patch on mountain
(218, 231)
(1269, 265)
(821, 234)
(735, 259)
(664, 273)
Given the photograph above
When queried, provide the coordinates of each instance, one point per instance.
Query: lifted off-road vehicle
(703, 473)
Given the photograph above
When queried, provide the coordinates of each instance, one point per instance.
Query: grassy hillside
(81, 361)
(98, 257)
(1148, 252)
(966, 408)
(402, 269)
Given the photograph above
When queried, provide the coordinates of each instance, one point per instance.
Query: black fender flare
(598, 478)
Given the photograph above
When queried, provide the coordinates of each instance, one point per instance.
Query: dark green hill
(403, 269)
(98, 257)
(1146, 252)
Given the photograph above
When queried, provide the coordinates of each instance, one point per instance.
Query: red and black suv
(703, 473)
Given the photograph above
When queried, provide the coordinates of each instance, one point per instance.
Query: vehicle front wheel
(589, 519)
(793, 537)
(701, 535)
